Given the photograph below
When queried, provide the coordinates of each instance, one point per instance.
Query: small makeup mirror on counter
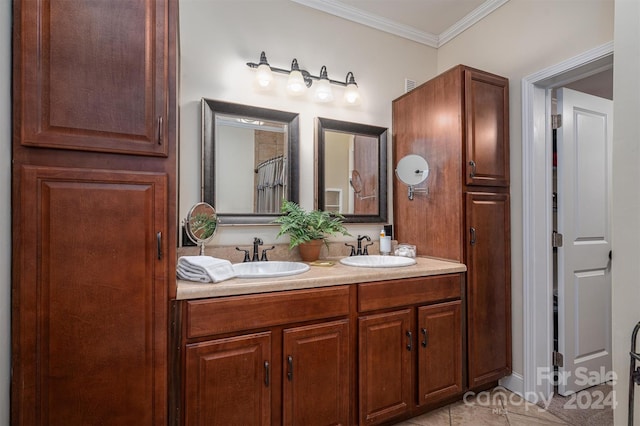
(200, 224)
(351, 171)
(412, 170)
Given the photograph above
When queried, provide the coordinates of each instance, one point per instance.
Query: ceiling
(430, 22)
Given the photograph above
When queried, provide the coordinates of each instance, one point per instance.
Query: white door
(584, 220)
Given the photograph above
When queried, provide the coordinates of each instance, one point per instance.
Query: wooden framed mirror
(249, 161)
(351, 173)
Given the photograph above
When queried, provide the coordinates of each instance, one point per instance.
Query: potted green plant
(308, 229)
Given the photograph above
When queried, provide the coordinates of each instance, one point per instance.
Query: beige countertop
(317, 276)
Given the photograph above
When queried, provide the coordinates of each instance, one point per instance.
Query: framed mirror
(249, 161)
(351, 170)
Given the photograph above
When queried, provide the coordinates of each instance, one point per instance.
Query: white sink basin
(269, 269)
(377, 261)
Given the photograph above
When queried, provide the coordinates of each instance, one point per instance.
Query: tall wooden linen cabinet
(459, 123)
(94, 199)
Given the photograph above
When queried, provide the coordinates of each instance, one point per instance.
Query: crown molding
(337, 8)
(485, 9)
(353, 14)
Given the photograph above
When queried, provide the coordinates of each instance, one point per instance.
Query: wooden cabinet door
(488, 287)
(316, 370)
(90, 298)
(439, 351)
(386, 345)
(486, 108)
(94, 74)
(228, 381)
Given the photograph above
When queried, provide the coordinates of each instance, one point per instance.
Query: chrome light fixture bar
(300, 80)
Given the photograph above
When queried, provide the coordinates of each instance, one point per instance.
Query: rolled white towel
(204, 269)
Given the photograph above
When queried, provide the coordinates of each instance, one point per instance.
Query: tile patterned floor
(500, 407)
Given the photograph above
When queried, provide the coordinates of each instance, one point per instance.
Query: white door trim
(537, 207)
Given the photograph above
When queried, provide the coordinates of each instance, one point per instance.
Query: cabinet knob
(267, 373)
(472, 235)
(410, 344)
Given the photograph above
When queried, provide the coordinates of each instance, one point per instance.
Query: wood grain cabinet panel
(90, 318)
(458, 121)
(384, 362)
(489, 301)
(439, 351)
(94, 210)
(95, 77)
(316, 374)
(228, 381)
(302, 377)
(486, 105)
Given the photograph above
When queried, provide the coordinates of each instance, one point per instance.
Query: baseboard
(514, 382)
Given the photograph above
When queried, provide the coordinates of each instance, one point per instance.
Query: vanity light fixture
(264, 76)
(296, 85)
(323, 91)
(299, 80)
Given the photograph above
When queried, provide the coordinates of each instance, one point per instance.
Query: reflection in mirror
(352, 170)
(250, 161)
(200, 224)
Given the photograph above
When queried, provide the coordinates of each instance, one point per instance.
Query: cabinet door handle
(472, 234)
(160, 130)
(424, 337)
(410, 344)
(159, 243)
(267, 373)
(290, 364)
(472, 173)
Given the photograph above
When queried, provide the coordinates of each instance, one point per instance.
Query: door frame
(537, 221)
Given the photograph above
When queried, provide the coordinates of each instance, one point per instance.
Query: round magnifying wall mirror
(200, 224)
(412, 170)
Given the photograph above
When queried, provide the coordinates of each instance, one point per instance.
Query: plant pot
(310, 251)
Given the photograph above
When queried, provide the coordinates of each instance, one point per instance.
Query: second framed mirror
(351, 172)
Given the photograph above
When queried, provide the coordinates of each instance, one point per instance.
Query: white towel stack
(204, 269)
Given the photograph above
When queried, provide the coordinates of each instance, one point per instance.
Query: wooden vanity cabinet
(93, 207)
(410, 345)
(285, 361)
(459, 122)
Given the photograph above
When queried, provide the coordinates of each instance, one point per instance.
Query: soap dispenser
(385, 243)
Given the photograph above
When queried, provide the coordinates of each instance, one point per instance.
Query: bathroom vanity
(334, 345)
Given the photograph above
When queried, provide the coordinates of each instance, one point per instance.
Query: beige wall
(217, 38)
(519, 39)
(626, 198)
(5, 207)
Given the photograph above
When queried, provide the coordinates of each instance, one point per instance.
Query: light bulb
(323, 91)
(351, 94)
(296, 85)
(264, 76)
